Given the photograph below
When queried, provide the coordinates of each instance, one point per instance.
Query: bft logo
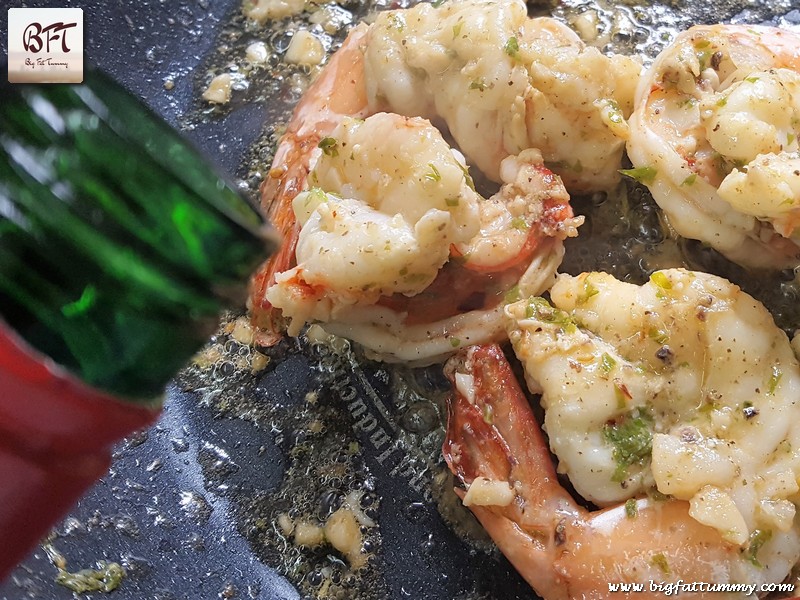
(32, 36)
(45, 45)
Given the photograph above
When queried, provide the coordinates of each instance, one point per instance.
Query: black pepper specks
(664, 354)
(749, 411)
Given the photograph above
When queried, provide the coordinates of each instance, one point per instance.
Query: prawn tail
(531, 556)
(492, 433)
(267, 319)
(473, 447)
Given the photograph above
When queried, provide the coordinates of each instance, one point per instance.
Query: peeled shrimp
(496, 448)
(714, 135)
(386, 241)
(502, 83)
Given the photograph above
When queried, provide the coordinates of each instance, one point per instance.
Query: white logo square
(45, 45)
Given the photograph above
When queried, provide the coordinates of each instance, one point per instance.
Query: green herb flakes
(329, 146)
(690, 180)
(512, 295)
(758, 538)
(631, 510)
(631, 439)
(540, 309)
(658, 335)
(774, 380)
(519, 223)
(589, 291)
(434, 174)
(467, 176)
(645, 175)
(512, 47)
(478, 84)
(660, 561)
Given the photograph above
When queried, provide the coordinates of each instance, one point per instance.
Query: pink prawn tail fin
(494, 434)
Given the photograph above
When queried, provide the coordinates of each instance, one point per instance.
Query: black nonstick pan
(192, 508)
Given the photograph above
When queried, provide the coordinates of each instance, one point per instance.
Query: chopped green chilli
(607, 363)
(758, 538)
(661, 280)
(433, 174)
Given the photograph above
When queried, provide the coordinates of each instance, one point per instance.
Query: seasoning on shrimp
(381, 220)
(386, 241)
(564, 550)
(716, 123)
(503, 82)
(708, 411)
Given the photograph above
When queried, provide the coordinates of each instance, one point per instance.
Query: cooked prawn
(386, 241)
(502, 83)
(714, 135)
(688, 365)
(495, 446)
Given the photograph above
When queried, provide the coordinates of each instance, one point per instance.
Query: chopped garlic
(243, 331)
(487, 492)
(308, 534)
(219, 90)
(286, 524)
(305, 49)
(343, 532)
(256, 53)
(465, 384)
(263, 10)
(715, 508)
(680, 467)
(587, 24)
(259, 361)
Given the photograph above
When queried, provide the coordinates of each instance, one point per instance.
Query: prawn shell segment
(495, 447)
(714, 135)
(339, 92)
(684, 384)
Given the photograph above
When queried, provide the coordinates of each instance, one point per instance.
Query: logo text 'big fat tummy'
(45, 45)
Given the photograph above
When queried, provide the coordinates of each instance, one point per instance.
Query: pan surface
(191, 508)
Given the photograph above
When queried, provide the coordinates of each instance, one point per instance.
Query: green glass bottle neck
(119, 245)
